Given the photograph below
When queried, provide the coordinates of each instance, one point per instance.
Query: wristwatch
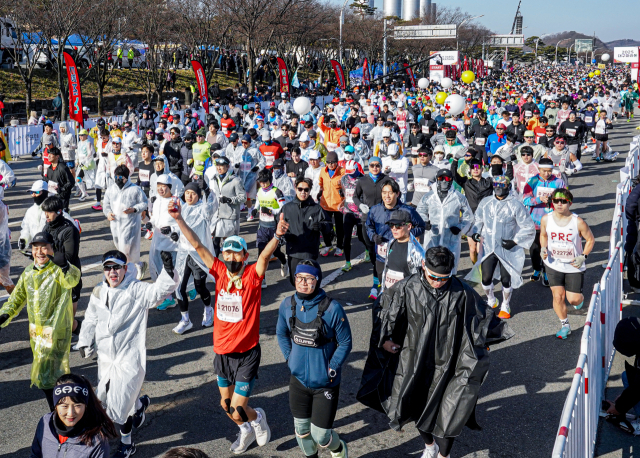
(332, 373)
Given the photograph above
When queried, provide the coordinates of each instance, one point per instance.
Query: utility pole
(384, 46)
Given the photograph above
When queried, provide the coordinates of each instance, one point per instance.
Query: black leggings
(127, 427)
(444, 444)
(199, 279)
(534, 252)
(351, 220)
(331, 218)
(489, 266)
(98, 194)
(371, 248)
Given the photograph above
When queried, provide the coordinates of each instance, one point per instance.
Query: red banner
(283, 75)
(366, 76)
(411, 77)
(201, 80)
(75, 94)
(337, 68)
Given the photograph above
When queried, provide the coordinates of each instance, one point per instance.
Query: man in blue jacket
(315, 339)
(495, 141)
(380, 233)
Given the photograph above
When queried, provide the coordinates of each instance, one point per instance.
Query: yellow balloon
(468, 77)
(591, 75)
(441, 97)
(597, 72)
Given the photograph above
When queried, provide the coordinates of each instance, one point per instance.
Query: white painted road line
(336, 273)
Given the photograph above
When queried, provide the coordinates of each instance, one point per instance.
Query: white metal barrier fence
(576, 436)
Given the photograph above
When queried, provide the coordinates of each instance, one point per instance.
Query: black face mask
(39, 199)
(160, 172)
(496, 169)
(121, 183)
(444, 186)
(233, 266)
(501, 192)
(308, 296)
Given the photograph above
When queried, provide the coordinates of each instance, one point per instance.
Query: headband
(70, 389)
(304, 269)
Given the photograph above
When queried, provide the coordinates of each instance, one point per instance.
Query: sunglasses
(559, 143)
(550, 130)
(112, 267)
(499, 128)
(375, 165)
(437, 278)
(397, 226)
(303, 189)
(198, 135)
(475, 166)
(526, 154)
(423, 154)
(444, 178)
(331, 162)
(499, 185)
(560, 201)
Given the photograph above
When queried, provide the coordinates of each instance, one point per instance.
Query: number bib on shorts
(229, 307)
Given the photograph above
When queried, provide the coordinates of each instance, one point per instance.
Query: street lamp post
(569, 56)
(537, 41)
(344, 5)
(460, 25)
(557, 44)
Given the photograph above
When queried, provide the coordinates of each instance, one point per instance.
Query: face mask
(120, 183)
(496, 169)
(39, 199)
(501, 192)
(439, 157)
(234, 266)
(277, 173)
(444, 186)
(348, 157)
(159, 172)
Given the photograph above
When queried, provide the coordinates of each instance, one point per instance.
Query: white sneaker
(207, 318)
(183, 327)
(142, 269)
(262, 430)
(264, 283)
(82, 198)
(243, 442)
(284, 270)
(431, 452)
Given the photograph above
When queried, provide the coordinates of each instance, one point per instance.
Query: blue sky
(611, 20)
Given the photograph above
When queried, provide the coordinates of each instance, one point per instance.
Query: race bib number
(53, 187)
(541, 192)
(421, 184)
(245, 166)
(571, 132)
(392, 277)
(563, 251)
(348, 194)
(414, 150)
(331, 146)
(269, 160)
(42, 336)
(528, 114)
(480, 141)
(588, 119)
(225, 130)
(265, 217)
(144, 175)
(425, 130)
(229, 307)
(382, 250)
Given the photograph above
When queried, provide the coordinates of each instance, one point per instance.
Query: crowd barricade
(576, 437)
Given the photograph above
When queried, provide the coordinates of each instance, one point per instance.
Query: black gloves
(476, 237)
(153, 200)
(237, 165)
(379, 240)
(266, 211)
(22, 244)
(427, 226)
(508, 244)
(455, 230)
(225, 200)
(4, 317)
(174, 236)
(255, 169)
(149, 226)
(319, 195)
(167, 262)
(254, 212)
(165, 230)
(59, 259)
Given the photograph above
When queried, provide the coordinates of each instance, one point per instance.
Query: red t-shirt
(271, 153)
(236, 319)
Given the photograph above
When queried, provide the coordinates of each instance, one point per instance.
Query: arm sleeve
(282, 330)
(340, 324)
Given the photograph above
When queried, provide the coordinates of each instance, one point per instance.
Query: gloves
(410, 187)
(167, 262)
(148, 226)
(508, 244)
(85, 352)
(165, 230)
(174, 236)
(190, 162)
(266, 211)
(59, 259)
(427, 226)
(379, 240)
(254, 212)
(476, 237)
(455, 230)
(578, 261)
(255, 169)
(22, 244)
(225, 200)
(364, 208)
(237, 165)
(4, 317)
(319, 195)
(153, 200)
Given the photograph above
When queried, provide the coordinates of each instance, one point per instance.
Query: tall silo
(392, 8)
(425, 9)
(410, 10)
(433, 11)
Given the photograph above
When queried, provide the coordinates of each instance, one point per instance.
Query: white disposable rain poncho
(248, 159)
(131, 145)
(68, 143)
(198, 218)
(454, 211)
(34, 221)
(86, 162)
(7, 177)
(5, 243)
(397, 167)
(314, 176)
(285, 185)
(107, 165)
(498, 220)
(117, 318)
(125, 229)
(160, 218)
(176, 183)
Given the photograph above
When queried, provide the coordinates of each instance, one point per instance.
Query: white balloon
(446, 83)
(423, 83)
(302, 105)
(605, 57)
(454, 104)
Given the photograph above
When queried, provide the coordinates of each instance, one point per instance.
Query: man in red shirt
(236, 328)
(270, 150)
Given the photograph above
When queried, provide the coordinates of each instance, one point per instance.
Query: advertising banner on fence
(201, 80)
(75, 94)
(283, 76)
(438, 64)
(337, 69)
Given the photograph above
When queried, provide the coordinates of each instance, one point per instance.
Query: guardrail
(576, 436)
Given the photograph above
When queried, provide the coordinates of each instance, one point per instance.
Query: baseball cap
(116, 140)
(38, 186)
(246, 138)
(234, 243)
(83, 132)
(164, 179)
(114, 256)
(266, 135)
(529, 133)
(222, 160)
(500, 126)
(278, 163)
(355, 130)
(314, 154)
(42, 237)
(374, 159)
(399, 217)
(386, 132)
(233, 137)
(438, 149)
(304, 137)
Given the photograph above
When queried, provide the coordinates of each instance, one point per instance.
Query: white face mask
(439, 157)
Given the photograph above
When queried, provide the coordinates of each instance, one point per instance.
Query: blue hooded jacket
(311, 365)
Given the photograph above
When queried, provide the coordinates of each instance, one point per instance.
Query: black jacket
(518, 131)
(62, 177)
(298, 169)
(369, 192)
(474, 190)
(172, 151)
(479, 131)
(65, 237)
(145, 124)
(303, 242)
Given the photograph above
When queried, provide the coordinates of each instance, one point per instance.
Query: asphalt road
(519, 405)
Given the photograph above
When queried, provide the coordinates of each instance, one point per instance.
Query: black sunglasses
(112, 267)
(303, 189)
